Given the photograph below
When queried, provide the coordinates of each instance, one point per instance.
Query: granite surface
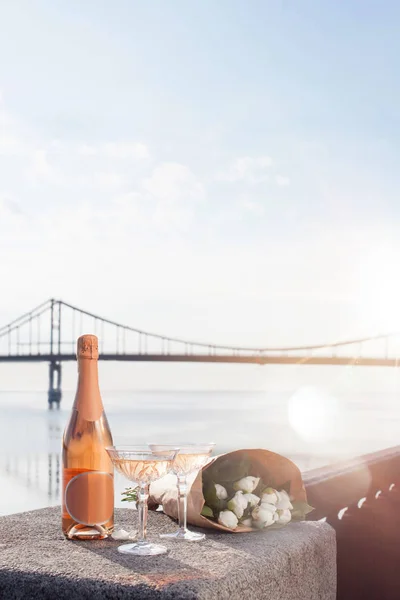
(297, 562)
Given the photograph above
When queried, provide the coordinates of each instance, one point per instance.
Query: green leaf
(228, 471)
(247, 512)
(207, 512)
(210, 496)
(209, 493)
(260, 488)
(300, 510)
(285, 486)
(131, 495)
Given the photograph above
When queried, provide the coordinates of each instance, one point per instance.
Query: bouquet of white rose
(244, 490)
(251, 505)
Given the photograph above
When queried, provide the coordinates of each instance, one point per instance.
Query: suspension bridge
(48, 333)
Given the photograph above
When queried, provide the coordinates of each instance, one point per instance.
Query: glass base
(142, 549)
(80, 532)
(184, 534)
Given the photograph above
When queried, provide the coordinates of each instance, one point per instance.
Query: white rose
(270, 496)
(228, 519)
(284, 516)
(246, 484)
(264, 515)
(247, 522)
(121, 534)
(251, 499)
(220, 491)
(283, 501)
(238, 504)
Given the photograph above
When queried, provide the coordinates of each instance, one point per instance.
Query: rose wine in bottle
(88, 480)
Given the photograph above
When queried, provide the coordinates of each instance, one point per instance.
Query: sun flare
(311, 413)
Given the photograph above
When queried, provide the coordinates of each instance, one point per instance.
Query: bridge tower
(54, 396)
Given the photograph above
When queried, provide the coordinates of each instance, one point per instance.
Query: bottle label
(89, 498)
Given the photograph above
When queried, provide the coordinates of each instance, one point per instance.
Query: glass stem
(143, 496)
(182, 502)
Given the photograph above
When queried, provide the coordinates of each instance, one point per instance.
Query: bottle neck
(88, 400)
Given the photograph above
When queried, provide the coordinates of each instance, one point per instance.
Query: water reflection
(39, 472)
(54, 437)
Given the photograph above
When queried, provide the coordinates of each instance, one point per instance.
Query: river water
(308, 425)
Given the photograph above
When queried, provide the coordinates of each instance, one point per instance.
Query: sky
(223, 171)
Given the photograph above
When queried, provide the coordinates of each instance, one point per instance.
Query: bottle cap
(88, 347)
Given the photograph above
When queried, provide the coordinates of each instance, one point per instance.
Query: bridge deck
(210, 358)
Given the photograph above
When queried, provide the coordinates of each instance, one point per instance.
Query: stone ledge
(297, 562)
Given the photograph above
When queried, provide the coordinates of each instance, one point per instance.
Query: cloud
(130, 204)
(252, 207)
(110, 179)
(247, 169)
(77, 166)
(107, 179)
(11, 141)
(171, 181)
(4, 208)
(281, 180)
(164, 201)
(40, 169)
(8, 205)
(171, 195)
(116, 150)
(10, 145)
(252, 170)
(84, 166)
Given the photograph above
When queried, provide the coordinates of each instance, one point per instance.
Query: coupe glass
(190, 458)
(141, 466)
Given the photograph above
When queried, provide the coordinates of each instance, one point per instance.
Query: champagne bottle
(88, 480)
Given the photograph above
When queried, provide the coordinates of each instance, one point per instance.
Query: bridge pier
(54, 396)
